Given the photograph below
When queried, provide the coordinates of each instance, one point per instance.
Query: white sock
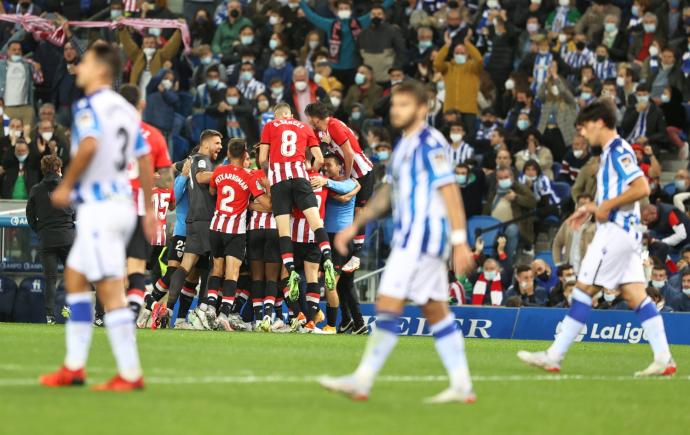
(78, 330)
(572, 324)
(653, 325)
(379, 345)
(121, 333)
(450, 345)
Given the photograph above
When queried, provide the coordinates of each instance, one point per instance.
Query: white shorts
(103, 230)
(613, 258)
(414, 276)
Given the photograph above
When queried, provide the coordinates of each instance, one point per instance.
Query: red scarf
(337, 36)
(479, 290)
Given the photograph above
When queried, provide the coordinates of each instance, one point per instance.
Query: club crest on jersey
(439, 161)
(84, 120)
(259, 186)
(627, 163)
(201, 164)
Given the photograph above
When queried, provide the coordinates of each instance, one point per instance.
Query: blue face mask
(23, 158)
(643, 99)
(15, 58)
(360, 78)
(246, 75)
(154, 31)
(212, 82)
(247, 40)
(206, 60)
(273, 44)
(232, 100)
(505, 183)
(382, 155)
(460, 59)
(115, 13)
(356, 115)
(522, 124)
(490, 275)
(461, 179)
(423, 45)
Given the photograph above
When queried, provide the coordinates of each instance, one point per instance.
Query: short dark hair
(208, 133)
(335, 157)
(130, 93)
(213, 68)
(414, 88)
(107, 55)
(522, 268)
(317, 110)
(598, 110)
(237, 147)
(562, 268)
(51, 164)
(659, 266)
(643, 87)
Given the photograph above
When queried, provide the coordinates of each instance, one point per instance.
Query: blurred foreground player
(105, 137)
(429, 218)
(613, 258)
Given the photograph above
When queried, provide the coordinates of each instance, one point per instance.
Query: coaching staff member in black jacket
(54, 226)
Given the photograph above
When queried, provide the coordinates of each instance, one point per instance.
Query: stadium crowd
(505, 78)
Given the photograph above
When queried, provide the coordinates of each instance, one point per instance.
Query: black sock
(136, 291)
(270, 292)
(203, 284)
(229, 297)
(324, 244)
(163, 284)
(293, 306)
(185, 303)
(257, 294)
(176, 282)
(285, 244)
(214, 283)
(241, 297)
(313, 297)
(331, 315)
(278, 307)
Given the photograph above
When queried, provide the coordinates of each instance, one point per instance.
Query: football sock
(450, 345)
(285, 244)
(379, 345)
(358, 242)
(214, 283)
(313, 297)
(186, 298)
(203, 284)
(653, 325)
(278, 308)
(229, 289)
(293, 306)
(257, 293)
(331, 315)
(324, 244)
(163, 284)
(176, 282)
(136, 291)
(120, 327)
(78, 329)
(572, 324)
(241, 298)
(271, 291)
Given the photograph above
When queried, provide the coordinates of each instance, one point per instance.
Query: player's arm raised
(87, 149)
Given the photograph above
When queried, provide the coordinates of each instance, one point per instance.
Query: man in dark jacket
(234, 115)
(643, 121)
(54, 226)
(20, 171)
(667, 224)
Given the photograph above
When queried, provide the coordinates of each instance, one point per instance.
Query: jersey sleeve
(255, 187)
(625, 165)
(312, 140)
(338, 133)
(437, 166)
(86, 124)
(141, 147)
(266, 134)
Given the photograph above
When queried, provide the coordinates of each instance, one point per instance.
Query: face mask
(505, 183)
(658, 284)
(601, 58)
(293, 6)
(487, 124)
(16, 133)
(440, 85)
(660, 305)
(246, 76)
(247, 39)
(490, 275)
(48, 135)
(232, 100)
(277, 91)
(283, 2)
(263, 105)
(115, 14)
(234, 13)
(461, 179)
(564, 3)
(335, 101)
(149, 51)
(653, 51)
(580, 45)
(424, 45)
(317, 78)
(279, 61)
(492, 4)
(360, 78)
(532, 27)
(555, 91)
(531, 177)
(522, 124)
(154, 31)
(535, 2)
(301, 86)
(524, 285)
(543, 276)
(456, 137)
(510, 84)
(212, 83)
(644, 99)
(635, 11)
(23, 158)
(585, 96)
(680, 184)
(649, 28)
(686, 291)
(206, 60)
(376, 21)
(15, 58)
(610, 27)
(562, 38)
(665, 98)
(167, 84)
(344, 14)
(578, 153)
(355, 115)
(201, 19)
(570, 279)
(609, 297)
(395, 82)
(382, 155)
(313, 44)
(460, 59)
(273, 44)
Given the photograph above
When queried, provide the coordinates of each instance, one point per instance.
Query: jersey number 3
(123, 137)
(288, 143)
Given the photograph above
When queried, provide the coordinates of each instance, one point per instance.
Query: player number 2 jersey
(288, 140)
(341, 133)
(234, 186)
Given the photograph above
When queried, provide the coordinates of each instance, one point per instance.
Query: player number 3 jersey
(234, 186)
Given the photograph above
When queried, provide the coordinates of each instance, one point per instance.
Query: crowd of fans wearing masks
(506, 80)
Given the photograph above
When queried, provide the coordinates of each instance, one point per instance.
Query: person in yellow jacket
(461, 77)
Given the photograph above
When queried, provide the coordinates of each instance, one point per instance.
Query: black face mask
(596, 150)
(488, 123)
(543, 276)
(376, 21)
(580, 45)
(234, 13)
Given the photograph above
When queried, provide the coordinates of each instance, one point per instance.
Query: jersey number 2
(229, 196)
(288, 143)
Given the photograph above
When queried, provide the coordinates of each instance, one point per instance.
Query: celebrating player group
(245, 240)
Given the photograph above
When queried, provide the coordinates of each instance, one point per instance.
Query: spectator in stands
(510, 200)
(233, 112)
(565, 15)
(201, 28)
(65, 90)
(566, 275)
(544, 276)
(668, 73)
(641, 41)
(570, 245)
(158, 9)
(647, 161)
(205, 91)
(535, 151)
(660, 283)
(459, 150)
(47, 142)
(613, 300)
(381, 45)
(364, 92)
(643, 122)
(55, 228)
(206, 62)
(323, 76)
(658, 298)
(614, 38)
(278, 67)
(537, 182)
(574, 160)
(681, 181)
(666, 224)
(17, 84)
(473, 187)
(21, 171)
(228, 32)
(671, 105)
(162, 100)
(559, 107)
(248, 84)
(47, 113)
(526, 288)
(488, 283)
(568, 288)
(586, 181)
(304, 91)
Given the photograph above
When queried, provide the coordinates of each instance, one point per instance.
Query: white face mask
(620, 81)
(167, 84)
(456, 137)
(149, 51)
(510, 84)
(335, 101)
(47, 135)
(658, 284)
(578, 153)
(301, 85)
(273, 20)
(279, 60)
(524, 285)
(317, 78)
(344, 14)
(653, 50)
(570, 279)
(555, 91)
(313, 44)
(562, 38)
(609, 297)
(686, 291)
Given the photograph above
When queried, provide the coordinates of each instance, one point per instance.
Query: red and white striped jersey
(159, 158)
(261, 220)
(288, 140)
(340, 133)
(233, 185)
(162, 199)
(299, 227)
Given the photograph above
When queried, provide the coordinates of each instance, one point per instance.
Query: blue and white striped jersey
(114, 123)
(419, 166)
(617, 170)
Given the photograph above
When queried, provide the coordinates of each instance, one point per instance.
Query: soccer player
(105, 137)
(201, 207)
(342, 141)
(613, 258)
(233, 185)
(429, 218)
(163, 199)
(282, 153)
(139, 247)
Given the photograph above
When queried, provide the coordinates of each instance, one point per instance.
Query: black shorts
(138, 247)
(228, 245)
(295, 192)
(308, 252)
(337, 259)
(367, 189)
(153, 263)
(263, 246)
(198, 238)
(176, 248)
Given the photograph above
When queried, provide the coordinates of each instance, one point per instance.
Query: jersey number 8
(288, 145)
(228, 196)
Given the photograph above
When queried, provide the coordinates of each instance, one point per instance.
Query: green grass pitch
(245, 383)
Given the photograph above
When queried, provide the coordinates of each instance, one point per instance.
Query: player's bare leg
(316, 225)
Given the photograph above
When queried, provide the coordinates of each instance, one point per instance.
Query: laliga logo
(618, 332)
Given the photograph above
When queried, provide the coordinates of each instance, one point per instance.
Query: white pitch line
(281, 379)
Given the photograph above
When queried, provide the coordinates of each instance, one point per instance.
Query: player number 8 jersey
(288, 140)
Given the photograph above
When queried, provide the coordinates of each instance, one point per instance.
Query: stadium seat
(186, 103)
(8, 293)
(28, 305)
(181, 148)
(201, 122)
(547, 257)
(669, 188)
(479, 222)
(562, 190)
